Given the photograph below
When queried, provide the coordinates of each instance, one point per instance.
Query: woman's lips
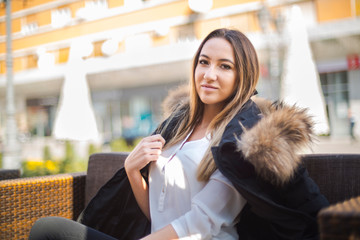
(208, 87)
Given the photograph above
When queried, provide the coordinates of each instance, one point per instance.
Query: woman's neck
(200, 129)
(210, 112)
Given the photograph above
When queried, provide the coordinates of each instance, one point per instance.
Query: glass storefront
(41, 114)
(120, 113)
(336, 93)
(129, 113)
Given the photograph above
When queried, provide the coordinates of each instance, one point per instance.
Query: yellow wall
(41, 18)
(31, 61)
(115, 3)
(2, 28)
(160, 40)
(97, 49)
(151, 14)
(178, 8)
(63, 55)
(333, 9)
(245, 22)
(15, 26)
(44, 17)
(18, 64)
(74, 7)
(2, 67)
(18, 5)
(225, 3)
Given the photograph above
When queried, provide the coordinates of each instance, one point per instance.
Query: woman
(218, 167)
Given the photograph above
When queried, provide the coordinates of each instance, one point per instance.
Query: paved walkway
(336, 145)
(34, 149)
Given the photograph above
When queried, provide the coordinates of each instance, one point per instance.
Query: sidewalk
(336, 145)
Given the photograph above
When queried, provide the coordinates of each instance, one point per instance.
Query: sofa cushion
(337, 175)
(101, 167)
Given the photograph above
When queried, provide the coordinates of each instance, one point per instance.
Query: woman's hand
(148, 150)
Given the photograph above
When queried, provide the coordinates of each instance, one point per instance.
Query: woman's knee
(56, 228)
(47, 228)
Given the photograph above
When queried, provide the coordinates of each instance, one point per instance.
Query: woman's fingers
(154, 145)
(149, 149)
(155, 138)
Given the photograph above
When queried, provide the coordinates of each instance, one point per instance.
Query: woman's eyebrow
(226, 60)
(221, 59)
(203, 55)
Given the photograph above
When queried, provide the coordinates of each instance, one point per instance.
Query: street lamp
(11, 156)
(271, 39)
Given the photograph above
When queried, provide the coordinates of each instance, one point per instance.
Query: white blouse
(196, 210)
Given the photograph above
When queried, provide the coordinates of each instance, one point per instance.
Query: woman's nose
(210, 74)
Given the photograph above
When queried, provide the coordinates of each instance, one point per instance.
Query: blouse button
(161, 200)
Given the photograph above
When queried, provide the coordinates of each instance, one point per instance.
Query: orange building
(139, 49)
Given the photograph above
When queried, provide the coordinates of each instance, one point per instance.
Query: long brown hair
(247, 68)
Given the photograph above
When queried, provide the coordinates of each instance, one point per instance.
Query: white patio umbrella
(300, 82)
(75, 118)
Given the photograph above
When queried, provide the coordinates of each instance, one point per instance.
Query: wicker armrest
(341, 221)
(24, 200)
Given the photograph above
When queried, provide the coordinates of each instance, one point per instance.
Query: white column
(11, 157)
(300, 83)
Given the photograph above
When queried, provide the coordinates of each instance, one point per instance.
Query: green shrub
(66, 164)
(93, 149)
(50, 166)
(47, 153)
(120, 145)
(35, 167)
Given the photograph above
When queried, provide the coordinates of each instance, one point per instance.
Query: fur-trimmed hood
(272, 145)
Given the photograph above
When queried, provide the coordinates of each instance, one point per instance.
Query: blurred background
(78, 77)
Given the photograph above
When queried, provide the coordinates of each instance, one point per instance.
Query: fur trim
(176, 98)
(272, 145)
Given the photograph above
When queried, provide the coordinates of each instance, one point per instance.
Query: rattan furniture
(341, 221)
(22, 201)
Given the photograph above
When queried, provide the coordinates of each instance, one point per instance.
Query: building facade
(139, 49)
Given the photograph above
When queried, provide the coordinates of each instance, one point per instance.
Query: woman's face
(215, 73)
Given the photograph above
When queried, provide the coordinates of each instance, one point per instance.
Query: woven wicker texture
(24, 200)
(341, 221)
(337, 175)
(9, 174)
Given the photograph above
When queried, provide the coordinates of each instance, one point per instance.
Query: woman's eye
(225, 66)
(203, 61)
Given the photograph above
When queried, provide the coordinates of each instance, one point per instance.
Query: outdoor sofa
(24, 200)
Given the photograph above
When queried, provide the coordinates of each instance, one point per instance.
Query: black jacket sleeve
(114, 210)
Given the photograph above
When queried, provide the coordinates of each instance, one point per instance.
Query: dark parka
(258, 154)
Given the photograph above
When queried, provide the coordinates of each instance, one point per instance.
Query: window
(93, 10)
(336, 92)
(60, 17)
(30, 28)
(186, 33)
